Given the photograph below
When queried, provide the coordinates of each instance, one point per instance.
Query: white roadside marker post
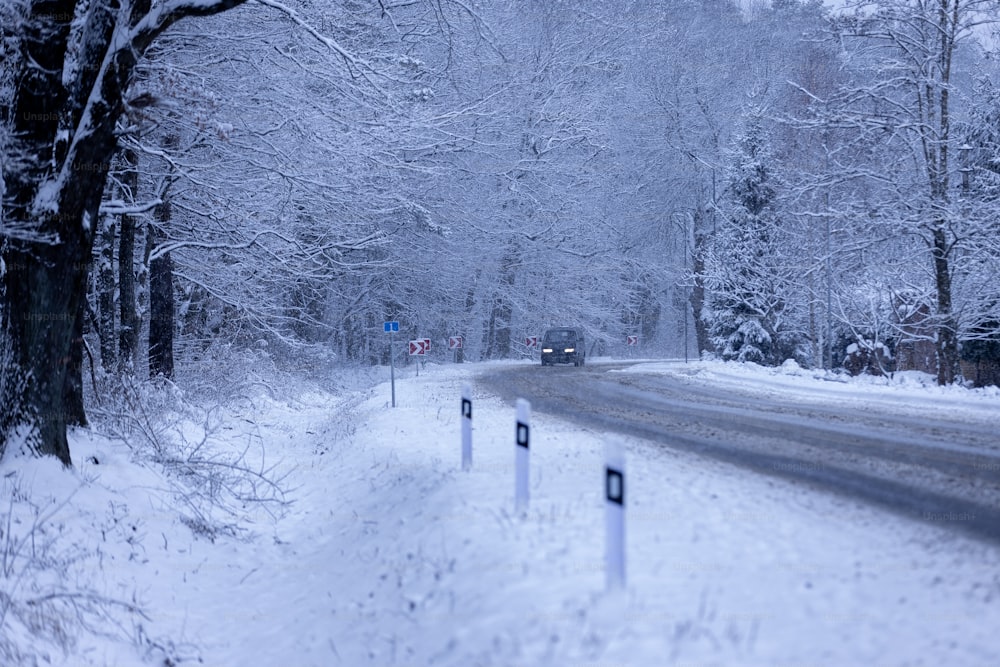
(614, 492)
(521, 455)
(466, 427)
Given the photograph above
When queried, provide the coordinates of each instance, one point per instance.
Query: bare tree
(905, 54)
(74, 64)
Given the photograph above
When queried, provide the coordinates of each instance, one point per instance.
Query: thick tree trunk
(470, 304)
(498, 335)
(128, 336)
(63, 136)
(947, 340)
(161, 317)
(40, 332)
(106, 294)
(815, 351)
(161, 304)
(12, 388)
(127, 315)
(73, 386)
(41, 291)
(41, 315)
(649, 307)
(698, 295)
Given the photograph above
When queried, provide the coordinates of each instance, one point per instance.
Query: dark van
(563, 345)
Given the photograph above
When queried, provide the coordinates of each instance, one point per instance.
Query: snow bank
(390, 554)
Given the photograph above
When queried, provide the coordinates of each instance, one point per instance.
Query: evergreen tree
(746, 305)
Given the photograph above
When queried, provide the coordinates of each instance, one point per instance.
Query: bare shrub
(43, 607)
(216, 485)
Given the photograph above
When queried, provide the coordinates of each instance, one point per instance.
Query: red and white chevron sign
(455, 343)
(531, 341)
(420, 346)
(632, 340)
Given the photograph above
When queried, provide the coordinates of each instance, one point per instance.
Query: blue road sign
(390, 326)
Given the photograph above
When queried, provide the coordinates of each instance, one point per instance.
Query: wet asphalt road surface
(937, 470)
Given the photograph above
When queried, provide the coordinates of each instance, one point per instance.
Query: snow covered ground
(387, 553)
(908, 392)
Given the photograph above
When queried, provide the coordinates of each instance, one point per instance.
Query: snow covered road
(925, 463)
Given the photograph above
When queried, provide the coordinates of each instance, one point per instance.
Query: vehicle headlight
(546, 349)
(569, 349)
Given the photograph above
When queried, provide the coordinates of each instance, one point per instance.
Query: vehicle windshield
(557, 335)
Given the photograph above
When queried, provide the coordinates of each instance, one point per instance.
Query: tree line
(756, 181)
